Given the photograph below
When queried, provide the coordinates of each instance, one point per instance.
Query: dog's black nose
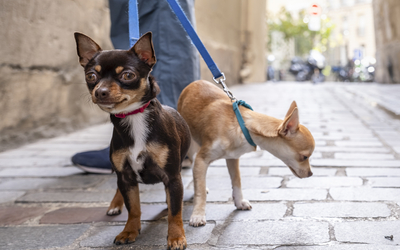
(102, 93)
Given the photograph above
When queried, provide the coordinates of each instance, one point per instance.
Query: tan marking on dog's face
(119, 69)
(131, 96)
(159, 153)
(295, 148)
(119, 98)
(97, 68)
(118, 159)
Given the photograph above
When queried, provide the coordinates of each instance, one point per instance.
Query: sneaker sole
(94, 170)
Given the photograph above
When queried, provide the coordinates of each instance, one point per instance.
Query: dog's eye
(305, 157)
(91, 78)
(128, 76)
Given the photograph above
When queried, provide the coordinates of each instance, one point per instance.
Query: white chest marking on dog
(138, 130)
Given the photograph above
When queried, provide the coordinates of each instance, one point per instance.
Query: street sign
(315, 10)
(315, 18)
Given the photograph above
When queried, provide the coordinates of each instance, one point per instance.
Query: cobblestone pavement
(351, 202)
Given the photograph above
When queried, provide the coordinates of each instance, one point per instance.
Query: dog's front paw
(177, 243)
(126, 237)
(243, 205)
(197, 220)
(114, 211)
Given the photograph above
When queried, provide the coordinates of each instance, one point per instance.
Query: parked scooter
(310, 70)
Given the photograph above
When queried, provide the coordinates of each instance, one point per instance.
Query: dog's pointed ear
(291, 123)
(144, 49)
(86, 48)
(290, 111)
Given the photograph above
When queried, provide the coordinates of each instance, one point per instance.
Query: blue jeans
(177, 59)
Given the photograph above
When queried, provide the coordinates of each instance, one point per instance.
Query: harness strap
(239, 117)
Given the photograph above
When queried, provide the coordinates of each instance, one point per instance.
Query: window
(361, 25)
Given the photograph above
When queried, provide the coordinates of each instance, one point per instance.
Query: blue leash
(218, 76)
(134, 33)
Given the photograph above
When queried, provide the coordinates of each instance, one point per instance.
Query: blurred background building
(347, 31)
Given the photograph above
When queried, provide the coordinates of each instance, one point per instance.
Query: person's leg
(177, 59)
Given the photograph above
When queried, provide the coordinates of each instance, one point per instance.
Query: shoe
(96, 162)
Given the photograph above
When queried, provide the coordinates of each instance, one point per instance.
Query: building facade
(354, 34)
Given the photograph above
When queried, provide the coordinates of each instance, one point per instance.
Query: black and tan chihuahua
(149, 140)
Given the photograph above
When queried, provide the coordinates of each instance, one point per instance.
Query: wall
(387, 29)
(42, 90)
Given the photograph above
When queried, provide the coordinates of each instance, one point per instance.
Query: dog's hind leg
(234, 172)
(193, 150)
(116, 204)
(198, 217)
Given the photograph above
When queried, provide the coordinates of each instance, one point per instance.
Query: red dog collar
(140, 110)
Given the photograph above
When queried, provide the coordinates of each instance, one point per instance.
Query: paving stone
(7, 196)
(40, 146)
(71, 182)
(358, 144)
(223, 171)
(274, 233)
(71, 196)
(26, 183)
(282, 194)
(151, 196)
(40, 172)
(363, 156)
(373, 171)
(325, 182)
(111, 184)
(247, 182)
(316, 171)
(384, 182)
(372, 232)
(34, 162)
(19, 153)
(150, 234)
(354, 163)
(365, 194)
(73, 215)
(340, 247)
(40, 237)
(16, 215)
(352, 149)
(342, 209)
(262, 162)
(217, 195)
(228, 212)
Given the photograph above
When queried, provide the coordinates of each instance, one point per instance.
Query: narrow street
(351, 202)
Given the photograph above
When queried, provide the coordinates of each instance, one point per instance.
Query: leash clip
(221, 80)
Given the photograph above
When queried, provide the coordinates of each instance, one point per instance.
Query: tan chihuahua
(216, 134)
